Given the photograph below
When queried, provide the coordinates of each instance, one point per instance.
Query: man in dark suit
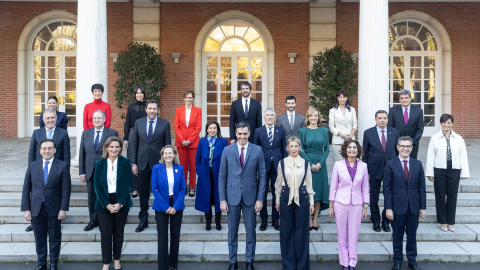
(148, 137)
(45, 200)
(49, 131)
(378, 147)
(241, 188)
(274, 145)
(407, 119)
(91, 150)
(405, 201)
(245, 109)
(291, 121)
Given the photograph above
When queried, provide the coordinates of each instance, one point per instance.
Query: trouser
(375, 185)
(187, 160)
(348, 219)
(164, 260)
(144, 186)
(446, 184)
(271, 178)
(92, 198)
(112, 229)
(398, 226)
(42, 225)
(294, 231)
(233, 221)
(335, 153)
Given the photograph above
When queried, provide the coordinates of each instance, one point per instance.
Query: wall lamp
(175, 57)
(292, 57)
(114, 56)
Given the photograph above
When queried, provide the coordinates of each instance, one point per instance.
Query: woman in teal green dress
(315, 149)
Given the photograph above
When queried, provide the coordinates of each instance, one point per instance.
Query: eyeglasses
(405, 146)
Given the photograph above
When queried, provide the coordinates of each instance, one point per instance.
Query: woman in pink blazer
(349, 198)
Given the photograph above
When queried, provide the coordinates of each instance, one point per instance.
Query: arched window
(233, 52)
(53, 68)
(414, 65)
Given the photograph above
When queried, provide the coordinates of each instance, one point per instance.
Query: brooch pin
(176, 170)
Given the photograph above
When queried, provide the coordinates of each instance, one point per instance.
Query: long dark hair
(219, 132)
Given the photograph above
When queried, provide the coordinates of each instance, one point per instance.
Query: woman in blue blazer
(168, 187)
(112, 181)
(62, 120)
(207, 163)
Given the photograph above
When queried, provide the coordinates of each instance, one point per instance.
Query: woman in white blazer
(447, 163)
(342, 123)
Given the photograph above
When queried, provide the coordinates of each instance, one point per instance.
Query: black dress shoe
(90, 226)
(41, 267)
(351, 267)
(250, 266)
(376, 227)
(134, 196)
(397, 266)
(233, 266)
(276, 225)
(141, 227)
(386, 227)
(53, 266)
(413, 266)
(29, 228)
(263, 226)
(172, 268)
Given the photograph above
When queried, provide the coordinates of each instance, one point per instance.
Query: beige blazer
(342, 123)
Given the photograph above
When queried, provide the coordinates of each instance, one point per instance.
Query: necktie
(405, 169)
(50, 134)
(150, 131)
(246, 108)
(270, 136)
(45, 172)
(241, 157)
(291, 121)
(405, 116)
(384, 140)
(97, 139)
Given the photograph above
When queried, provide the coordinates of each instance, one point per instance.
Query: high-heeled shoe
(444, 229)
(134, 195)
(452, 229)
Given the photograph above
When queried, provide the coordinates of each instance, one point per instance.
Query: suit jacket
(277, 151)
(190, 133)
(284, 122)
(56, 192)
(62, 120)
(235, 183)
(237, 115)
(373, 153)
(145, 152)
(124, 182)
(87, 154)
(401, 195)
(338, 122)
(61, 139)
(345, 190)
(414, 127)
(160, 187)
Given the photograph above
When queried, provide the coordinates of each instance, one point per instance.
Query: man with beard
(245, 109)
(291, 121)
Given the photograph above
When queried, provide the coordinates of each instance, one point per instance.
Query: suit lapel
(237, 154)
(344, 171)
(53, 168)
(359, 171)
(142, 129)
(400, 167)
(249, 152)
(105, 135)
(390, 140)
(377, 138)
(90, 139)
(298, 121)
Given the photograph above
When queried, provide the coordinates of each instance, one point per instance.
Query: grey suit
(240, 188)
(62, 142)
(87, 158)
(284, 122)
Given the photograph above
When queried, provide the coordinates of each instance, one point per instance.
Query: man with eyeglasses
(405, 201)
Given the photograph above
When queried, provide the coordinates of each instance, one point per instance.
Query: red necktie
(405, 169)
(241, 158)
(405, 116)
(384, 140)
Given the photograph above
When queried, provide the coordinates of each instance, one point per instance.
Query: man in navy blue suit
(405, 201)
(378, 147)
(245, 109)
(273, 141)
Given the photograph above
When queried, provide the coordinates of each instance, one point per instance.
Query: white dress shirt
(244, 151)
(49, 164)
(273, 130)
(243, 104)
(289, 115)
(187, 116)
(154, 124)
(403, 164)
(99, 134)
(46, 131)
(171, 181)
(408, 111)
(112, 175)
(379, 131)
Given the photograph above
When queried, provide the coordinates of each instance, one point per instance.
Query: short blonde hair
(310, 112)
(175, 152)
(107, 144)
(296, 140)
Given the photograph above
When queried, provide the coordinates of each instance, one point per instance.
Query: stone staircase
(200, 245)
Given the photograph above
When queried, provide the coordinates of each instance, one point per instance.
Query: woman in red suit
(188, 124)
(97, 104)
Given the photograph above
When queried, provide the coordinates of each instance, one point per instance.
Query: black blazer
(400, 195)
(277, 151)
(61, 139)
(124, 182)
(56, 192)
(87, 153)
(414, 127)
(144, 152)
(237, 115)
(373, 153)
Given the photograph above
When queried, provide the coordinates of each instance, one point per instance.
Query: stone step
(265, 251)
(13, 215)
(197, 233)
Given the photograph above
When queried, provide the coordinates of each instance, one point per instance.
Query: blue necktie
(150, 131)
(49, 134)
(270, 136)
(97, 139)
(45, 176)
(246, 108)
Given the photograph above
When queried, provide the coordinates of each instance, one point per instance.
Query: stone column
(373, 62)
(91, 56)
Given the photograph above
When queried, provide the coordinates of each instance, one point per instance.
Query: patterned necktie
(384, 140)
(270, 136)
(405, 116)
(150, 131)
(50, 134)
(291, 121)
(246, 108)
(241, 157)
(97, 140)
(45, 172)
(405, 169)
